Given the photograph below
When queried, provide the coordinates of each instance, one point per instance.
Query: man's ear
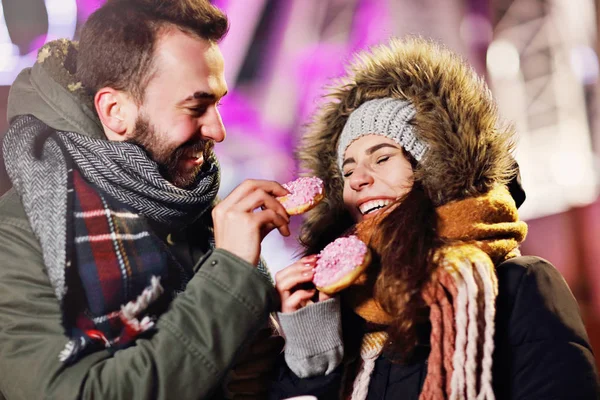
(115, 109)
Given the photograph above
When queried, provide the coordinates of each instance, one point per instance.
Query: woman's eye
(347, 174)
(381, 160)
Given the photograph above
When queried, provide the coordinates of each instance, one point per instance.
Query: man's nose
(212, 125)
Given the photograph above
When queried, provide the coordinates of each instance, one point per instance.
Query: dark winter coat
(542, 350)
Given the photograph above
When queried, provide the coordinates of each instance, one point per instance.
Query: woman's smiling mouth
(373, 206)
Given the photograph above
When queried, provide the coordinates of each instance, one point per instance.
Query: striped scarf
(461, 296)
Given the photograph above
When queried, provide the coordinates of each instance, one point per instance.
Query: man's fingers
(284, 230)
(268, 220)
(259, 199)
(266, 229)
(239, 228)
(271, 203)
(243, 190)
(274, 188)
(239, 193)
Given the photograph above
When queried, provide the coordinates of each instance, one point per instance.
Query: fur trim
(59, 59)
(469, 147)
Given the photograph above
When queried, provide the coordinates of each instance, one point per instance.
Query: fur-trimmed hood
(456, 116)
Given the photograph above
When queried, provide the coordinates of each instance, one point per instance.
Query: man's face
(179, 122)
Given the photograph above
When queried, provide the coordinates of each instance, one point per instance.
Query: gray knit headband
(386, 117)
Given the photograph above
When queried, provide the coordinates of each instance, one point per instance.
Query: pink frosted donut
(340, 263)
(305, 193)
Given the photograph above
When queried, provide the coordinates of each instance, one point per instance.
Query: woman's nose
(360, 178)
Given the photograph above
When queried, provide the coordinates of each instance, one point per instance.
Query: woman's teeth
(373, 205)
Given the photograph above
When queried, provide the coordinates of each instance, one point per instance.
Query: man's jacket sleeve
(196, 341)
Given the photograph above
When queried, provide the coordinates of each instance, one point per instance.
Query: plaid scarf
(127, 274)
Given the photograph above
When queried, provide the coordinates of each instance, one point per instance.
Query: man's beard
(168, 158)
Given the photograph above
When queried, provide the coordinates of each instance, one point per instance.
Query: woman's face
(376, 173)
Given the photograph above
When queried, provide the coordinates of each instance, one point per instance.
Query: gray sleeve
(313, 336)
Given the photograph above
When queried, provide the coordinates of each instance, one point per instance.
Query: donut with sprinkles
(305, 194)
(340, 263)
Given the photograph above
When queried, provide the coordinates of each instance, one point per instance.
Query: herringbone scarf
(37, 167)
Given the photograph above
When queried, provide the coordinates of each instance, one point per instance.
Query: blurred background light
(476, 28)
(584, 61)
(62, 18)
(503, 59)
(9, 53)
(62, 23)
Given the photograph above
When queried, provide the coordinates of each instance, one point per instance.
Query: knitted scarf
(89, 202)
(461, 296)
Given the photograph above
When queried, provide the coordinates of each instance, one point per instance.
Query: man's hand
(247, 215)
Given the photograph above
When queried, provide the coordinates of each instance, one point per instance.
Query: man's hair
(118, 41)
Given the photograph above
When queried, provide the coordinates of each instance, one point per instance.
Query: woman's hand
(294, 284)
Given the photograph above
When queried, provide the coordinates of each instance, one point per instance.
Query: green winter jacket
(197, 339)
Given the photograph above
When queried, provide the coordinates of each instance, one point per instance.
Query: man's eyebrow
(201, 95)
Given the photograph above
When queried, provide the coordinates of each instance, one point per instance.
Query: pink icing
(302, 191)
(338, 259)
